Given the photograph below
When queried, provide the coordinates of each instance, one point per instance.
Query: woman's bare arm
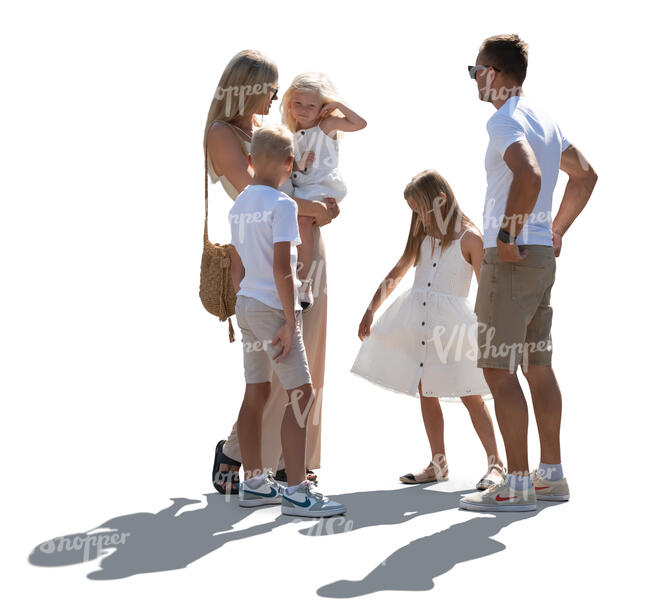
(322, 212)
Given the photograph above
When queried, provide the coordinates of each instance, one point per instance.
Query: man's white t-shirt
(260, 217)
(517, 121)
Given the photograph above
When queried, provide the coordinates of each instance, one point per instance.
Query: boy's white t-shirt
(260, 217)
(517, 121)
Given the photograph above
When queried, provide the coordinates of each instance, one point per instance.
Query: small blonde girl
(312, 110)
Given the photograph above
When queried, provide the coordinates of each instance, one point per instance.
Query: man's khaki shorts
(259, 324)
(513, 307)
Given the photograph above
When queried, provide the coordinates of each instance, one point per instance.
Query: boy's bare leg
(482, 422)
(294, 432)
(547, 404)
(249, 427)
(306, 248)
(512, 415)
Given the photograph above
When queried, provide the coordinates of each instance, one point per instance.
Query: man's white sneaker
(500, 498)
(304, 501)
(270, 491)
(548, 490)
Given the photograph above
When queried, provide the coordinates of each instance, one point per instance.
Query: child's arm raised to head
(386, 287)
(471, 246)
(351, 121)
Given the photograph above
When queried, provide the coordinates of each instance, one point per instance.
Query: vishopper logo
(238, 94)
(315, 401)
(460, 342)
(492, 221)
(501, 94)
(256, 345)
(243, 218)
(317, 275)
(318, 150)
(328, 526)
(91, 545)
(492, 350)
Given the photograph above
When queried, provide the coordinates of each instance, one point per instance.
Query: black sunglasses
(275, 93)
(474, 69)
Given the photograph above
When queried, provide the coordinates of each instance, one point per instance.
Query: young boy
(264, 226)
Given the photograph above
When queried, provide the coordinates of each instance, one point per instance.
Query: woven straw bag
(216, 289)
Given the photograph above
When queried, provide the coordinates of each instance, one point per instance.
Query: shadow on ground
(172, 539)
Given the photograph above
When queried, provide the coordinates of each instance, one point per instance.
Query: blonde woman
(246, 90)
(425, 342)
(312, 110)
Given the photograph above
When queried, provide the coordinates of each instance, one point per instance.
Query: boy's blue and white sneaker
(304, 501)
(269, 491)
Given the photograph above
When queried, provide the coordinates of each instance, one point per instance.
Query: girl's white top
(322, 178)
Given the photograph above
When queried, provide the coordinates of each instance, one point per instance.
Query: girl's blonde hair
(316, 82)
(249, 79)
(435, 215)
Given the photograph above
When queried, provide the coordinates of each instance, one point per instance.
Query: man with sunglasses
(525, 152)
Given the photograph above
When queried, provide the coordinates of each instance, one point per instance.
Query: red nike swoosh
(500, 498)
(539, 488)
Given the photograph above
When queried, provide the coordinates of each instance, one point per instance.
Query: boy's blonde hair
(275, 143)
(316, 82)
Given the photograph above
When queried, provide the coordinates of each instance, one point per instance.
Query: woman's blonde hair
(249, 78)
(316, 82)
(435, 215)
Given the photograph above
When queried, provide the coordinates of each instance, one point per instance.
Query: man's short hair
(275, 143)
(507, 52)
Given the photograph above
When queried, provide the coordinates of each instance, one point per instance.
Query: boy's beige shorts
(259, 323)
(513, 309)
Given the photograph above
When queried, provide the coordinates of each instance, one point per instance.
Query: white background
(117, 384)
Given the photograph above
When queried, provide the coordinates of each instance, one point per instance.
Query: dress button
(421, 364)
(302, 133)
(423, 342)
(434, 264)
(295, 175)
(422, 323)
(424, 304)
(428, 285)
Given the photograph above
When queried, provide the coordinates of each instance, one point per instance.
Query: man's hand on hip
(510, 252)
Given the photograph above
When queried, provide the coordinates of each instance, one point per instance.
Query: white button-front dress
(428, 333)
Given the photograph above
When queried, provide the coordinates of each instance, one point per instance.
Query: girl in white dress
(425, 342)
(314, 114)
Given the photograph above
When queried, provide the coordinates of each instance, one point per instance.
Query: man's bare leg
(547, 404)
(512, 416)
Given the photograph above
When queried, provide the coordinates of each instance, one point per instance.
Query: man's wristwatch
(505, 236)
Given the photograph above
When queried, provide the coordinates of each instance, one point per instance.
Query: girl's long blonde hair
(247, 81)
(441, 216)
(318, 83)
